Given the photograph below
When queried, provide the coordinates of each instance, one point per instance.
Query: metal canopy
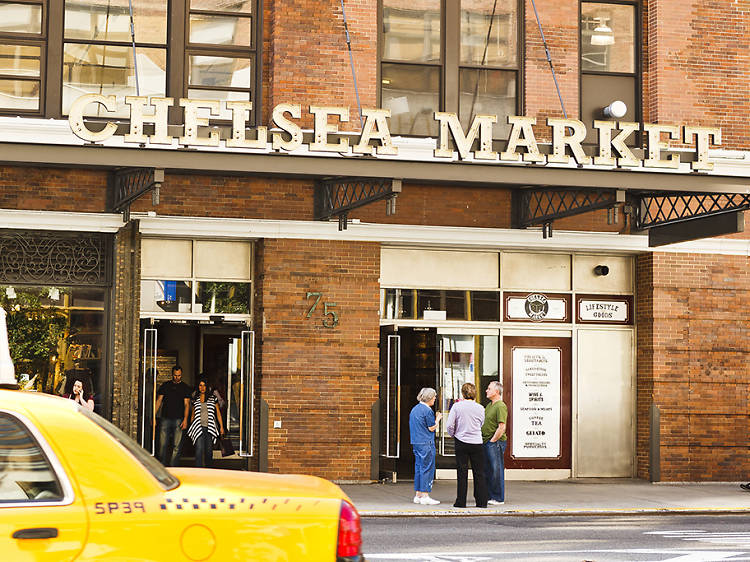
(335, 197)
(128, 184)
(698, 215)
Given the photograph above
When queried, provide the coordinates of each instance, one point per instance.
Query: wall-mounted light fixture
(603, 34)
(601, 270)
(615, 110)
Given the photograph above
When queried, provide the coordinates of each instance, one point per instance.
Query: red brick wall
(307, 59)
(698, 64)
(320, 382)
(693, 356)
(52, 189)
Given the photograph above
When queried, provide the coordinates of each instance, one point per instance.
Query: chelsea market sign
(521, 146)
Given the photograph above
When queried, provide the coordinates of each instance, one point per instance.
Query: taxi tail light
(350, 533)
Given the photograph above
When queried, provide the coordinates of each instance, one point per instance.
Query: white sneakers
(425, 500)
(494, 502)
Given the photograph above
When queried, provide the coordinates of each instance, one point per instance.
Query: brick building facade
(319, 336)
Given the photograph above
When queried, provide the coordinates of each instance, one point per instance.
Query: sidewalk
(587, 496)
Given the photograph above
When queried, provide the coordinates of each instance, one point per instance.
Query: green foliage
(230, 298)
(34, 330)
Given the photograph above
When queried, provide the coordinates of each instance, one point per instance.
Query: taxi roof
(31, 400)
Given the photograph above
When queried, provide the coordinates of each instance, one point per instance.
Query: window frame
(449, 64)
(32, 40)
(636, 75)
(54, 465)
(177, 48)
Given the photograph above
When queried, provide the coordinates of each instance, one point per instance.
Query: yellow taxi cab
(75, 487)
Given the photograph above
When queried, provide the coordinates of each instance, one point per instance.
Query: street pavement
(584, 496)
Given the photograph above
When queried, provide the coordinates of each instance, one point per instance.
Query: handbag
(225, 444)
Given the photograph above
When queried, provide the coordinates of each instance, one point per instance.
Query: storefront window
(56, 336)
(482, 306)
(165, 296)
(219, 297)
(485, 306)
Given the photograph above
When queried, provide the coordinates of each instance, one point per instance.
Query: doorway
(443, 359)
(224, 355)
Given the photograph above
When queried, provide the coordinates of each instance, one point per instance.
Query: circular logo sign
(536, 307)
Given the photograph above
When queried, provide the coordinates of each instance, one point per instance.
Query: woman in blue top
(422, 425)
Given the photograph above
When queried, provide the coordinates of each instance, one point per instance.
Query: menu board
(536, 402)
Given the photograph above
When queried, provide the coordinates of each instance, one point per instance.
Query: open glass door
(147, 435)
(240, 412)
(391, 399)
(456, 368)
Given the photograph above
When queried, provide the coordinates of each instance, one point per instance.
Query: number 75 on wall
(330, 316)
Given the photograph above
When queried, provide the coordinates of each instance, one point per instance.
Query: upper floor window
(609, 69)
(460, 57)
(53, 51)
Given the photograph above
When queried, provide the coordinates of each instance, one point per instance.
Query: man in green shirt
(495, 441)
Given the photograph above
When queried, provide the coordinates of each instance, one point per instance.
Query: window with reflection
(482, 306)
(417, 78)
(56, 336)
(98, 54)
(22, 51)
(221, 50)
(101, 54)
(608, 59)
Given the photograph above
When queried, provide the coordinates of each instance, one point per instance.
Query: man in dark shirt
(174, 396)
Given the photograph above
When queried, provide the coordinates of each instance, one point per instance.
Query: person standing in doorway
(495, 441)
(422, 425)
(205, 424)
(465, 426)
(174, 399)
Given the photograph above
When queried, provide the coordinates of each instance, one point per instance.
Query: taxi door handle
(36, 533)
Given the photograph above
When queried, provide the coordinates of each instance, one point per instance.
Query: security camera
(601, 270)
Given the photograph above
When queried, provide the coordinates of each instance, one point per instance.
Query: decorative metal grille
(128, 184)
(543, 205)
(662, 209)
(54, 258)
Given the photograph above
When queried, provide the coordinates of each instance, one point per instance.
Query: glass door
(147, 421)
(470, 357)
(240, 392)
(391, 445)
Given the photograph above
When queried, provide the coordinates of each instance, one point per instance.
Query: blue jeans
(170, 435)
(424, 466)
(494, 469)
(204, 449)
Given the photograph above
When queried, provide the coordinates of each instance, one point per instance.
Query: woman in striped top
(205, 424)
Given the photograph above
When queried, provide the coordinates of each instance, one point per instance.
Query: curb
(483, 512)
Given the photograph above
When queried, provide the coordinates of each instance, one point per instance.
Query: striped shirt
(196, 427)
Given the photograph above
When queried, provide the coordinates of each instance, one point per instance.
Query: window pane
(234, 6)
(489, 32)
(20, 18)
(399, 303)
(411, 31)
(485, 306)
(19, 94)
(230, 72)
(109, 20)
(109, 70)
(487, 92)
(607, 37)
(411, 92)
(217, 297)
(221, 95)
(165, 296)
(56, 335)
(220, 30)
(26, 473)
(20, 60)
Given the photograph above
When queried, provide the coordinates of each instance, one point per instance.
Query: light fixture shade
(603, 37)
(617, 109)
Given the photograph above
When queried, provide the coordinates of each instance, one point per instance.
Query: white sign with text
(536, 402)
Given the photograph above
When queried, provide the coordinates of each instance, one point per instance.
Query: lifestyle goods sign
(375, 138)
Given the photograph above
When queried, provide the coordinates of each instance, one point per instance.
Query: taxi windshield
(150, 463)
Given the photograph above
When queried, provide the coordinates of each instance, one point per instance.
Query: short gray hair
(497, 385)
(426, 394)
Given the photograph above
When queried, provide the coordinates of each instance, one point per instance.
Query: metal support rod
(351, 61)
(135, 58)
(549, 60)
